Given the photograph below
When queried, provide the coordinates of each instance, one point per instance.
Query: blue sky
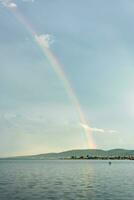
(94, 42)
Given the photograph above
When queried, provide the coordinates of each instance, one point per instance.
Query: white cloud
(97, 130)
(8, 3)
(9, 116)
(28, 1)
(44, 40)
(85, 126)
(12, 5)
(113, 131)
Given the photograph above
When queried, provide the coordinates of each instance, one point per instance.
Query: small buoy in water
(110, 163)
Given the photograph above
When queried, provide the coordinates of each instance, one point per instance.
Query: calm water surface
(59, 180)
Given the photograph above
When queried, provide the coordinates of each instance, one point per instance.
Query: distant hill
(83, 153)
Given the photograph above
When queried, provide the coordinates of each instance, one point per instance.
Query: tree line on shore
(103, 157)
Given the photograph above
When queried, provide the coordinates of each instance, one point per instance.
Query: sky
(93, 43)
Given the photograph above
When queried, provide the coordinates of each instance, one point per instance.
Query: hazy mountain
(80, 153)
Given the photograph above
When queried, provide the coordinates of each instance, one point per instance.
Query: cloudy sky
(94, 44)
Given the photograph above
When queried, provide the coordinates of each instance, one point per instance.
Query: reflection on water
(94, 180)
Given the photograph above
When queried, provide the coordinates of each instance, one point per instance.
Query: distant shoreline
(80, 154)
(100, 158)
(67, 159)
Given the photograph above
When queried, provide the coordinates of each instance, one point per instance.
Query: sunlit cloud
(99, 130)
(12, 5)
(8, 3)
(44, 40)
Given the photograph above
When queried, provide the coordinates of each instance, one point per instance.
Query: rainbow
(57, 67)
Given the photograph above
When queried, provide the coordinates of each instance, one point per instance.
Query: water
(70, 180)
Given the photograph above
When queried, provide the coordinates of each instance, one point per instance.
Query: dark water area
(66, 179)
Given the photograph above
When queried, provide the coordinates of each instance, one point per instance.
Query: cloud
(28, 1)
(9, 116)
(8, 3)
(44, 40)
(85, 126)
(12, 5)
(113, 131)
